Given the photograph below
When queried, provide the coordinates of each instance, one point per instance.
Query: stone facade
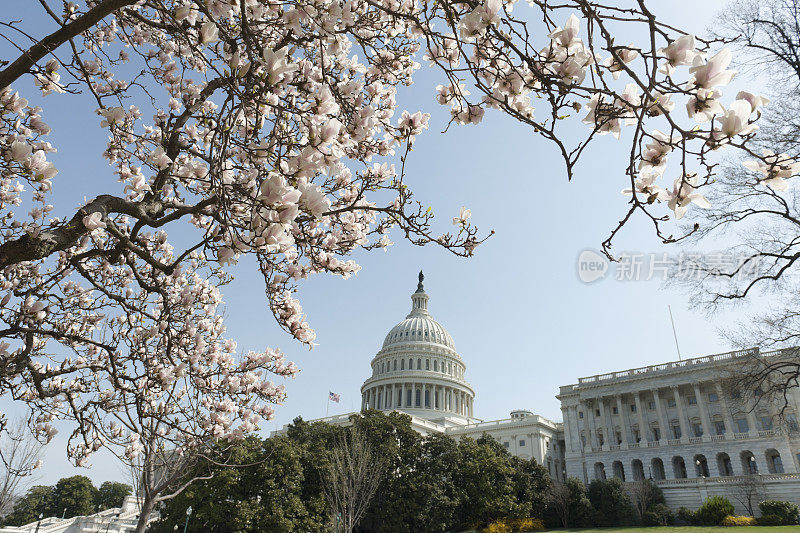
(677, 424)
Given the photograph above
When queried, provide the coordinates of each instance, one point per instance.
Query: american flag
(334, 397)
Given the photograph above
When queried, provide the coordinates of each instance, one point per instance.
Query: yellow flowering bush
(731, 521)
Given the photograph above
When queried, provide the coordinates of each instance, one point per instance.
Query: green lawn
(692, 529)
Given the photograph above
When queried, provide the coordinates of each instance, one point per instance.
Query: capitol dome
(418, 370)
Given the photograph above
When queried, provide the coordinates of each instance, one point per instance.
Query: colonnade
(600, 431)
(418, 396)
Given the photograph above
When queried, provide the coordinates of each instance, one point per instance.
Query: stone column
(569, 436)
(662, 421)
(751, 419)
(701, 405)
(643, 428)
(726, 413)
(623, 421)
(681, 414)
(594, 442)
(601, 404)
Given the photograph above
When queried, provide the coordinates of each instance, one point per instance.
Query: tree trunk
(144, 513)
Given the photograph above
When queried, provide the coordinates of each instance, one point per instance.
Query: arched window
(599, 471)
(395, 365)
(418, 398)
(724, 465)
(427, 364)
(419, 364)
(658, 468)
(749, 465)
(619, 470)
(638, 470)
(679, 467)
(402, 364)
(383, 368)
(410, 364)
(774, 461)
(701, 465)
(435, 366)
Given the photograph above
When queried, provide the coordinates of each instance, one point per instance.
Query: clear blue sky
(520, 317)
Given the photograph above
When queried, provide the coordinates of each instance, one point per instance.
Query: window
(419, 364)
(394, 366)
(697, 427)
(742, 426)
(410, 364)
(619, 437)
(713, 397)
(636, 435)
(633, 408)
(418, 399)
(791, 422)
(656, 433)
(651, 405)
(597, 412)
(382, 368)
(580, 414)
(614, 410)
(522, 442)
(671, 402)
(507, 444)
(676, 431)
(692, 400)
(719, 427)
(600, 439)
(402, 364)
(427, 364)
(436, 366)
(766, 423)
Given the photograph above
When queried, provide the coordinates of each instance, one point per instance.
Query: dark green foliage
(657, 514)
(38, 500)
(434, 483)
(769, 520)
(580, 510)
(73, 496)
(111, 494)
(685, 516)
(785, 512)
(612, 506)
(713, 511)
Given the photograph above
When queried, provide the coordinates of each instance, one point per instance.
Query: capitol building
(674, 423)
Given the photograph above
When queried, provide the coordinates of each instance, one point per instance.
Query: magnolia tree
(250, 127)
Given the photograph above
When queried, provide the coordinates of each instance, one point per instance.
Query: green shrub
(611, 503)
(657, 514)
(770, 520)
(713, 511)
(785, 511)
(685, 516)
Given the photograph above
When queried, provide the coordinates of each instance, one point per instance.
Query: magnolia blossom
(711, 73)
(463, 216)
(704, 105)
(735, 121)
(626, 55)
(94, 221)
(754, 100)
(775, 168)
(683, 193)
(681, 51)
